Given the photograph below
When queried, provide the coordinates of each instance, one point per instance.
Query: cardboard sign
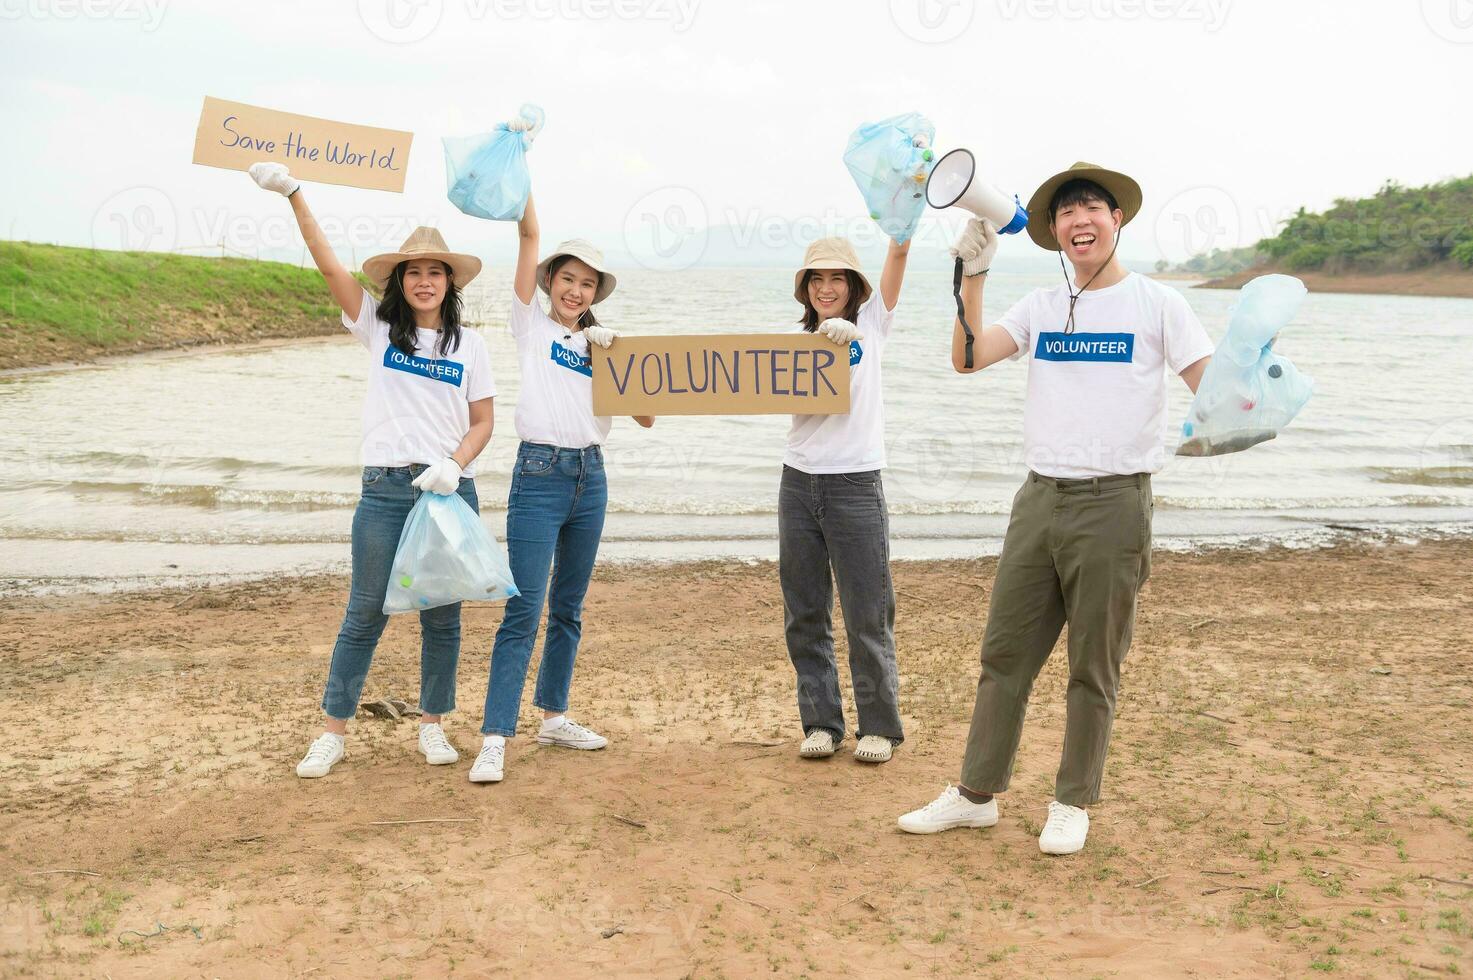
(233, 135)
(722, 374)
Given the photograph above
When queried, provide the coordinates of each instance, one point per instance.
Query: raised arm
(893, 274)
(525, 280)
(993, 343)
(345, 289)
(976, 248)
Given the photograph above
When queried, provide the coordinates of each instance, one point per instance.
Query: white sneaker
(947, 812)
(874, 748)
(436, 747)
(1065, 830)
(569, 734)
(488, 765)
(326, 752)
(818, 745)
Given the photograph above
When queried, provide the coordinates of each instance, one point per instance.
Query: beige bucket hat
(1127, 194)
(590, 256)
(423, 243)
(831, 253)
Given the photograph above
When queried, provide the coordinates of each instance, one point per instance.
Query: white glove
(976, 246)
(602, 336)
(527, 127)
(442, 477)
(839, 331)
(274, 177)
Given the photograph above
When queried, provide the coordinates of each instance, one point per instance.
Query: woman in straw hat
(832, 514)
(555, 508)
(426, 418)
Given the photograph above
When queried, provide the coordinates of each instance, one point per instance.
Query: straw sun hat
(590, 256)
(1127, 194)
(830, 253)
(423, 243)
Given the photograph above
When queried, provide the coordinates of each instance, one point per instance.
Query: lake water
(210, 465)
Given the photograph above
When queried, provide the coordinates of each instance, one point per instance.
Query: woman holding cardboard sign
(555, 508)
(832, 514)
(427, 417)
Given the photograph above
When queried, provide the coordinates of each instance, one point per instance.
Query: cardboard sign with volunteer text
(721, 374)
(233, 135)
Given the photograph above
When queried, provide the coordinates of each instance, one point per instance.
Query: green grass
(58, 302)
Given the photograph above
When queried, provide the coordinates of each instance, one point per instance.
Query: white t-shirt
(556, 403)
(1096, 402)
(853, 442)
(418, 406)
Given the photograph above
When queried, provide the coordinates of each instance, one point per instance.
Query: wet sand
(1289, 788)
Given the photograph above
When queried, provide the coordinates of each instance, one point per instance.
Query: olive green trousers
(1076, 552)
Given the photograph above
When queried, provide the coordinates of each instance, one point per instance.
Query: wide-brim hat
(1127, 194)
(590, 256)
(423, 243)
(830, 253)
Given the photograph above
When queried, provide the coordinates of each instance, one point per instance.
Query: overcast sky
(669, 116)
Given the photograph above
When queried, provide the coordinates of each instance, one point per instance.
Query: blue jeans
(554, 519)
(377, 522)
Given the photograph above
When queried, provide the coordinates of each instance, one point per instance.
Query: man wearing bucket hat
(426, 417)
(1078, 543)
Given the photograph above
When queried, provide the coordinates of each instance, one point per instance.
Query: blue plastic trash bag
(487, 174)
(446, 555)
(1248, 393)
(890, 161)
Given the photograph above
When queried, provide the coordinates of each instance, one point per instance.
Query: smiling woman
(425, 420)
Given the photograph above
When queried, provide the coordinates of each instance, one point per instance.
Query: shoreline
(316, 565)
(1436, 282)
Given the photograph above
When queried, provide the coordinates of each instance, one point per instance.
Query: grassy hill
(59, 303)
(1399, 240)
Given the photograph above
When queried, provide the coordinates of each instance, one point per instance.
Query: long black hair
(810, 318)
(395, 310)
(586, 318)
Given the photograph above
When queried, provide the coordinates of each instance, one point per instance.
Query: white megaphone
(954, 183)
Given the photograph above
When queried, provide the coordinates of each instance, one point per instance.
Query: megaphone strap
(961, 312)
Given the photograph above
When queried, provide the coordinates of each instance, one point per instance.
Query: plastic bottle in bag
(1248, 393)
(446, 555)
(890, 161)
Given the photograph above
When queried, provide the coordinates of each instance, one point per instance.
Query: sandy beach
(1289, 790)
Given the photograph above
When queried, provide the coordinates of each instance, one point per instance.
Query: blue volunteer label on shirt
(571, 359)
(1102, 347)
(856, 353)
(449, 372)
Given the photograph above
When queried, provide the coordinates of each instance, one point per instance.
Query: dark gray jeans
(839, 520)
